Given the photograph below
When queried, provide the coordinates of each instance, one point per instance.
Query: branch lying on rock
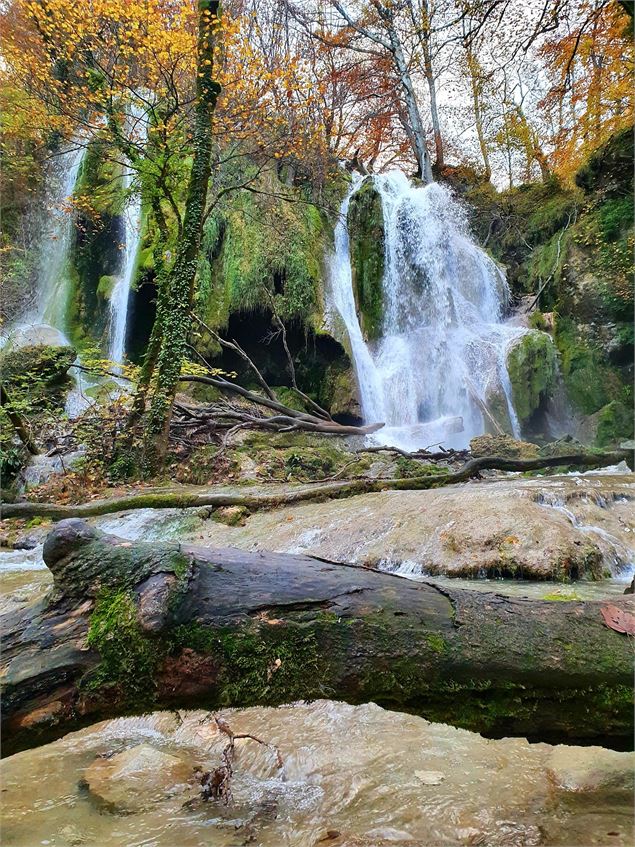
(138, 626)
(288, 418)
(347, 488)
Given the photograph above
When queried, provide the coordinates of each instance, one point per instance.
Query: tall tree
(379, 27)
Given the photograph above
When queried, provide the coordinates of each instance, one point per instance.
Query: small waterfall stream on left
(46, 321)
(54, 278)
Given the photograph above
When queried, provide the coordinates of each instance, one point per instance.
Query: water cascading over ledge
(439, 360)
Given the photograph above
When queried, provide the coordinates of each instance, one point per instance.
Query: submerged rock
(351, 776)
(583, 769)
(138, 778)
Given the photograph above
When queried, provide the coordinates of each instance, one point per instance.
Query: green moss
(256, 247)
(537, 321)
(105, 286)
(436, 642)
(532, 367)
(366, 233)
(590, 381)
(272, 664)
(409, 468)
(615, 424)
(128, 657)
(95, 258)
(555, 596)
(100, 180)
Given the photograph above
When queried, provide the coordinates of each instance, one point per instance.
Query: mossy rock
(106, 285)
(615, 424)
(532, 366)
(339, 392)
(255, 247)
(45, 365)
(590, 380)
(366, 234)
(504, 446)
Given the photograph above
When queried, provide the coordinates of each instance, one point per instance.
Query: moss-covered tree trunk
(175, 297)
(134, 627)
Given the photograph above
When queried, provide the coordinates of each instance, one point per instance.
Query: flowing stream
(442, 355)
(348, 776)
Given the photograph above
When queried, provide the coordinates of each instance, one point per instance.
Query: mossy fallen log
(216, 498)
(138, 626)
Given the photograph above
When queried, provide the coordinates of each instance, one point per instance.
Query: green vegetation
(532, 371)
(260, 250)
(128, 657)
(366, 232)
(579, 241)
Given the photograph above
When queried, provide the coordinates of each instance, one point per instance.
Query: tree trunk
(414, 116)
(429, 75)
(134, 627)
(475, 84)
(221, 496)
(179, 288)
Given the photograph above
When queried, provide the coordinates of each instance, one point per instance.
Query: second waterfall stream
(442, 352)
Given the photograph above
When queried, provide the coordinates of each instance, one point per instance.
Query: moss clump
(128, 657)
(366, 232)
(105, 286)
(532, 366)
(272, 664)
(502, 445)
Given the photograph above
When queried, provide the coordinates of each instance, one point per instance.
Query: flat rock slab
(561, 527)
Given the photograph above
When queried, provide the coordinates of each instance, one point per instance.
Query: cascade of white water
(132, 225)
(442, 354)
(54, 278)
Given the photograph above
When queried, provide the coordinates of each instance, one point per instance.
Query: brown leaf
(618, 619)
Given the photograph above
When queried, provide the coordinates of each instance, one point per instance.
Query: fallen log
(220, 497)
(131, 627)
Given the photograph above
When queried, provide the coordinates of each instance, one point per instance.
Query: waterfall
(132, 226)
(442, 354)
(54, 279)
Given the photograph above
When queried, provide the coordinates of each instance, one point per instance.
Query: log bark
(220, 497)
(133, 627)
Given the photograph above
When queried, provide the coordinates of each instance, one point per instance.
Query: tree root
(344, 488)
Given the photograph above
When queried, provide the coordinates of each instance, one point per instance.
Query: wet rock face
(513, 528)
(586, 769)
(139, 778)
